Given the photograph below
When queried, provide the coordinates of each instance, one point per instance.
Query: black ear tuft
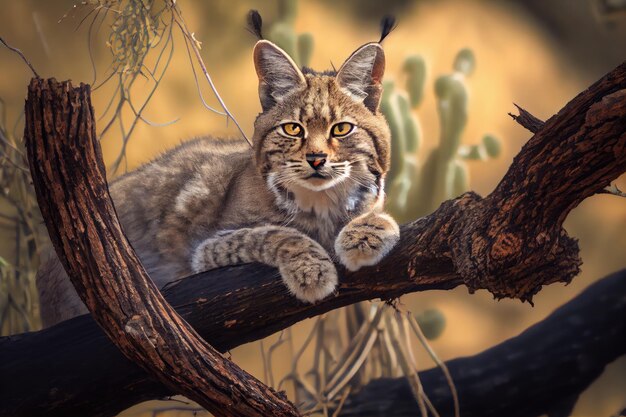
(255, 23)
(387, 25)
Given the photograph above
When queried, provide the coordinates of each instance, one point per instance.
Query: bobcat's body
(213, 202)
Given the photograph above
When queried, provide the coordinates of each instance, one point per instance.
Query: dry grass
(351, 347)
(138, 29)
(21, 221)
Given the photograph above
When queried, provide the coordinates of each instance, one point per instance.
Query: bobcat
(310, 191)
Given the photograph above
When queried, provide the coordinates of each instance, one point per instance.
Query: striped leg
(305, 267)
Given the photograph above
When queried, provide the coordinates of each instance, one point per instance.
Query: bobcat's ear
(278, 75)
(362, 73)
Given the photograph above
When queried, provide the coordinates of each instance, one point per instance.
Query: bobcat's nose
(316, 160)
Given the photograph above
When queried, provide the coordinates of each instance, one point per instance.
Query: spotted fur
(215, 202)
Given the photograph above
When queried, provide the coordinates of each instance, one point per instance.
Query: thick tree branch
(510, 242)
(540, 371)
(69, 179)
(546, 366)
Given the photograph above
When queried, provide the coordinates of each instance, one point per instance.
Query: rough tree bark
(69, 180)
(527, 120)
(510, 242)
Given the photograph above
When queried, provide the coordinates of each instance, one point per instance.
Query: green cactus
(404, 152)
(415, 69)
(459, 183)
(391, 110)
(489, 148)
(492, 146)
(472, 153)
(282, 33)
(417, 189)
(288, 10)
(305, 49)
(432, 322)
(464, 62)
(406, 135)
(411, 127)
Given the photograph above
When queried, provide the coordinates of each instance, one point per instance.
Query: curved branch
(541, 371)
(510, 242)
(69, 180)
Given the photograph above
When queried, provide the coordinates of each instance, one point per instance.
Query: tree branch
(69, 180)
(538, 372)
(510, 243)
(527, 120)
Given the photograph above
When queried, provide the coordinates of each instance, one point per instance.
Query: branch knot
(491, 251)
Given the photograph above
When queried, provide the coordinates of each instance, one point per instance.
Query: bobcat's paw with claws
(309, 277)
(366, 240)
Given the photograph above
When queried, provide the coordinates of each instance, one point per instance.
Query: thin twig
(408, 368)
(266, 370)
(343, 399)
(89, 48)
(17, 51)
(194, 46)
(116, 163)
(354, 357)
(10, 144)
(420, 335)
(270, 353)
(195, 77)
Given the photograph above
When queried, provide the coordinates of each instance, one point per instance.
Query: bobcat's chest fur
(321, 214)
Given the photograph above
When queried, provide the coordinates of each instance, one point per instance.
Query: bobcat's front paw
(365, 241)
(309, 277)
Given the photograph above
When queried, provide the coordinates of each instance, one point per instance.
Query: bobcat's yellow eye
(292, 129)
(342, 129)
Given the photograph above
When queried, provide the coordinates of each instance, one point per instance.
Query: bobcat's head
(322, 132)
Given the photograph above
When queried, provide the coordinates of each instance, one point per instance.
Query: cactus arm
(415, 69)
(305, 49)
(389, 108)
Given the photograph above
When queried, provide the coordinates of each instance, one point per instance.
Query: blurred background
(454, 66)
